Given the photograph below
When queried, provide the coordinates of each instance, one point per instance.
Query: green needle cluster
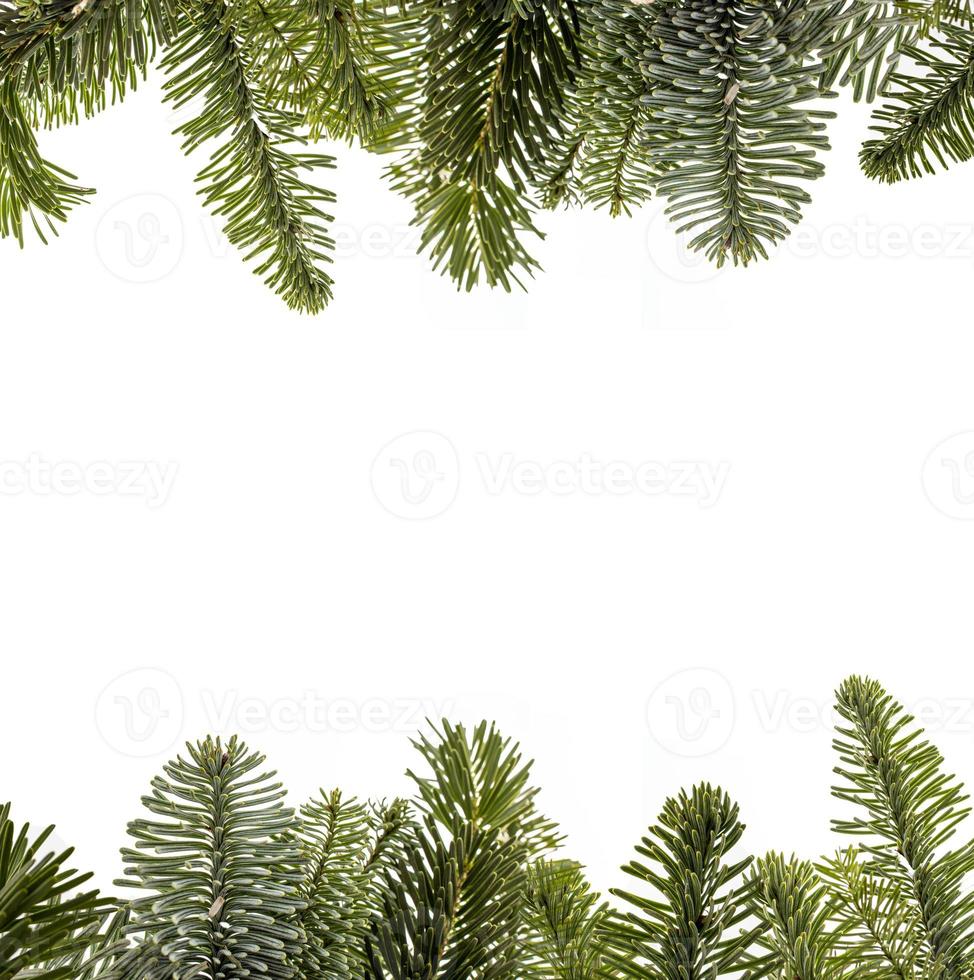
(466, 880)
(491, 111)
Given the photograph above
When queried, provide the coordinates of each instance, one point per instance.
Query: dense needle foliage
(466, 881)
(490, 111)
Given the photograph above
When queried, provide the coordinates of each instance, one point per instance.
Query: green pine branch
(906, 813)
(454, 902)
(229, 882)
(927, 121)
(33, 191)
(877, 928)
(564, 925)
(860, 43)
(731, 127)
(603, 158)
(348, 849)
(219, 870)
(352, 99)
(255, 181)
(791, 902)
(334, 833)
(489, 97)
(692, 924)
(51, 923)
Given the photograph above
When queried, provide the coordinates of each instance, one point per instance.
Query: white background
(633, 641)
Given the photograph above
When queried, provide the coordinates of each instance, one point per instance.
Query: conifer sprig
(492, 110)
(876, 929)
(565, 925)
(791, 901)
(688, 926)
(51, 922)
(602, 157)
(255, 181)
(735, 150)
(927, 120)
(230, 882)
(909, 810)
(219, 871)
(453, 906)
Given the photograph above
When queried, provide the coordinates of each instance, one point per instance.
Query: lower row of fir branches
(467, 881)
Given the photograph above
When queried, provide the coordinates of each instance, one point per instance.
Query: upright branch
(689, 926)
(908, 812)
(454, 902)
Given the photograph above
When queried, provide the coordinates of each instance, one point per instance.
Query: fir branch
(728, 121)
(790, 900)
(877, 930)
(49, 925)
(453, 904)
(618, 166)
(73, 57)
(685, 929)
(351, 99)
(564, 937)
(493, 83)
(315, 57)
(910, 811)
(335, 835)
(32, 189)
(928, 120)
(859, 43)
(219, 868)
(254, 181)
